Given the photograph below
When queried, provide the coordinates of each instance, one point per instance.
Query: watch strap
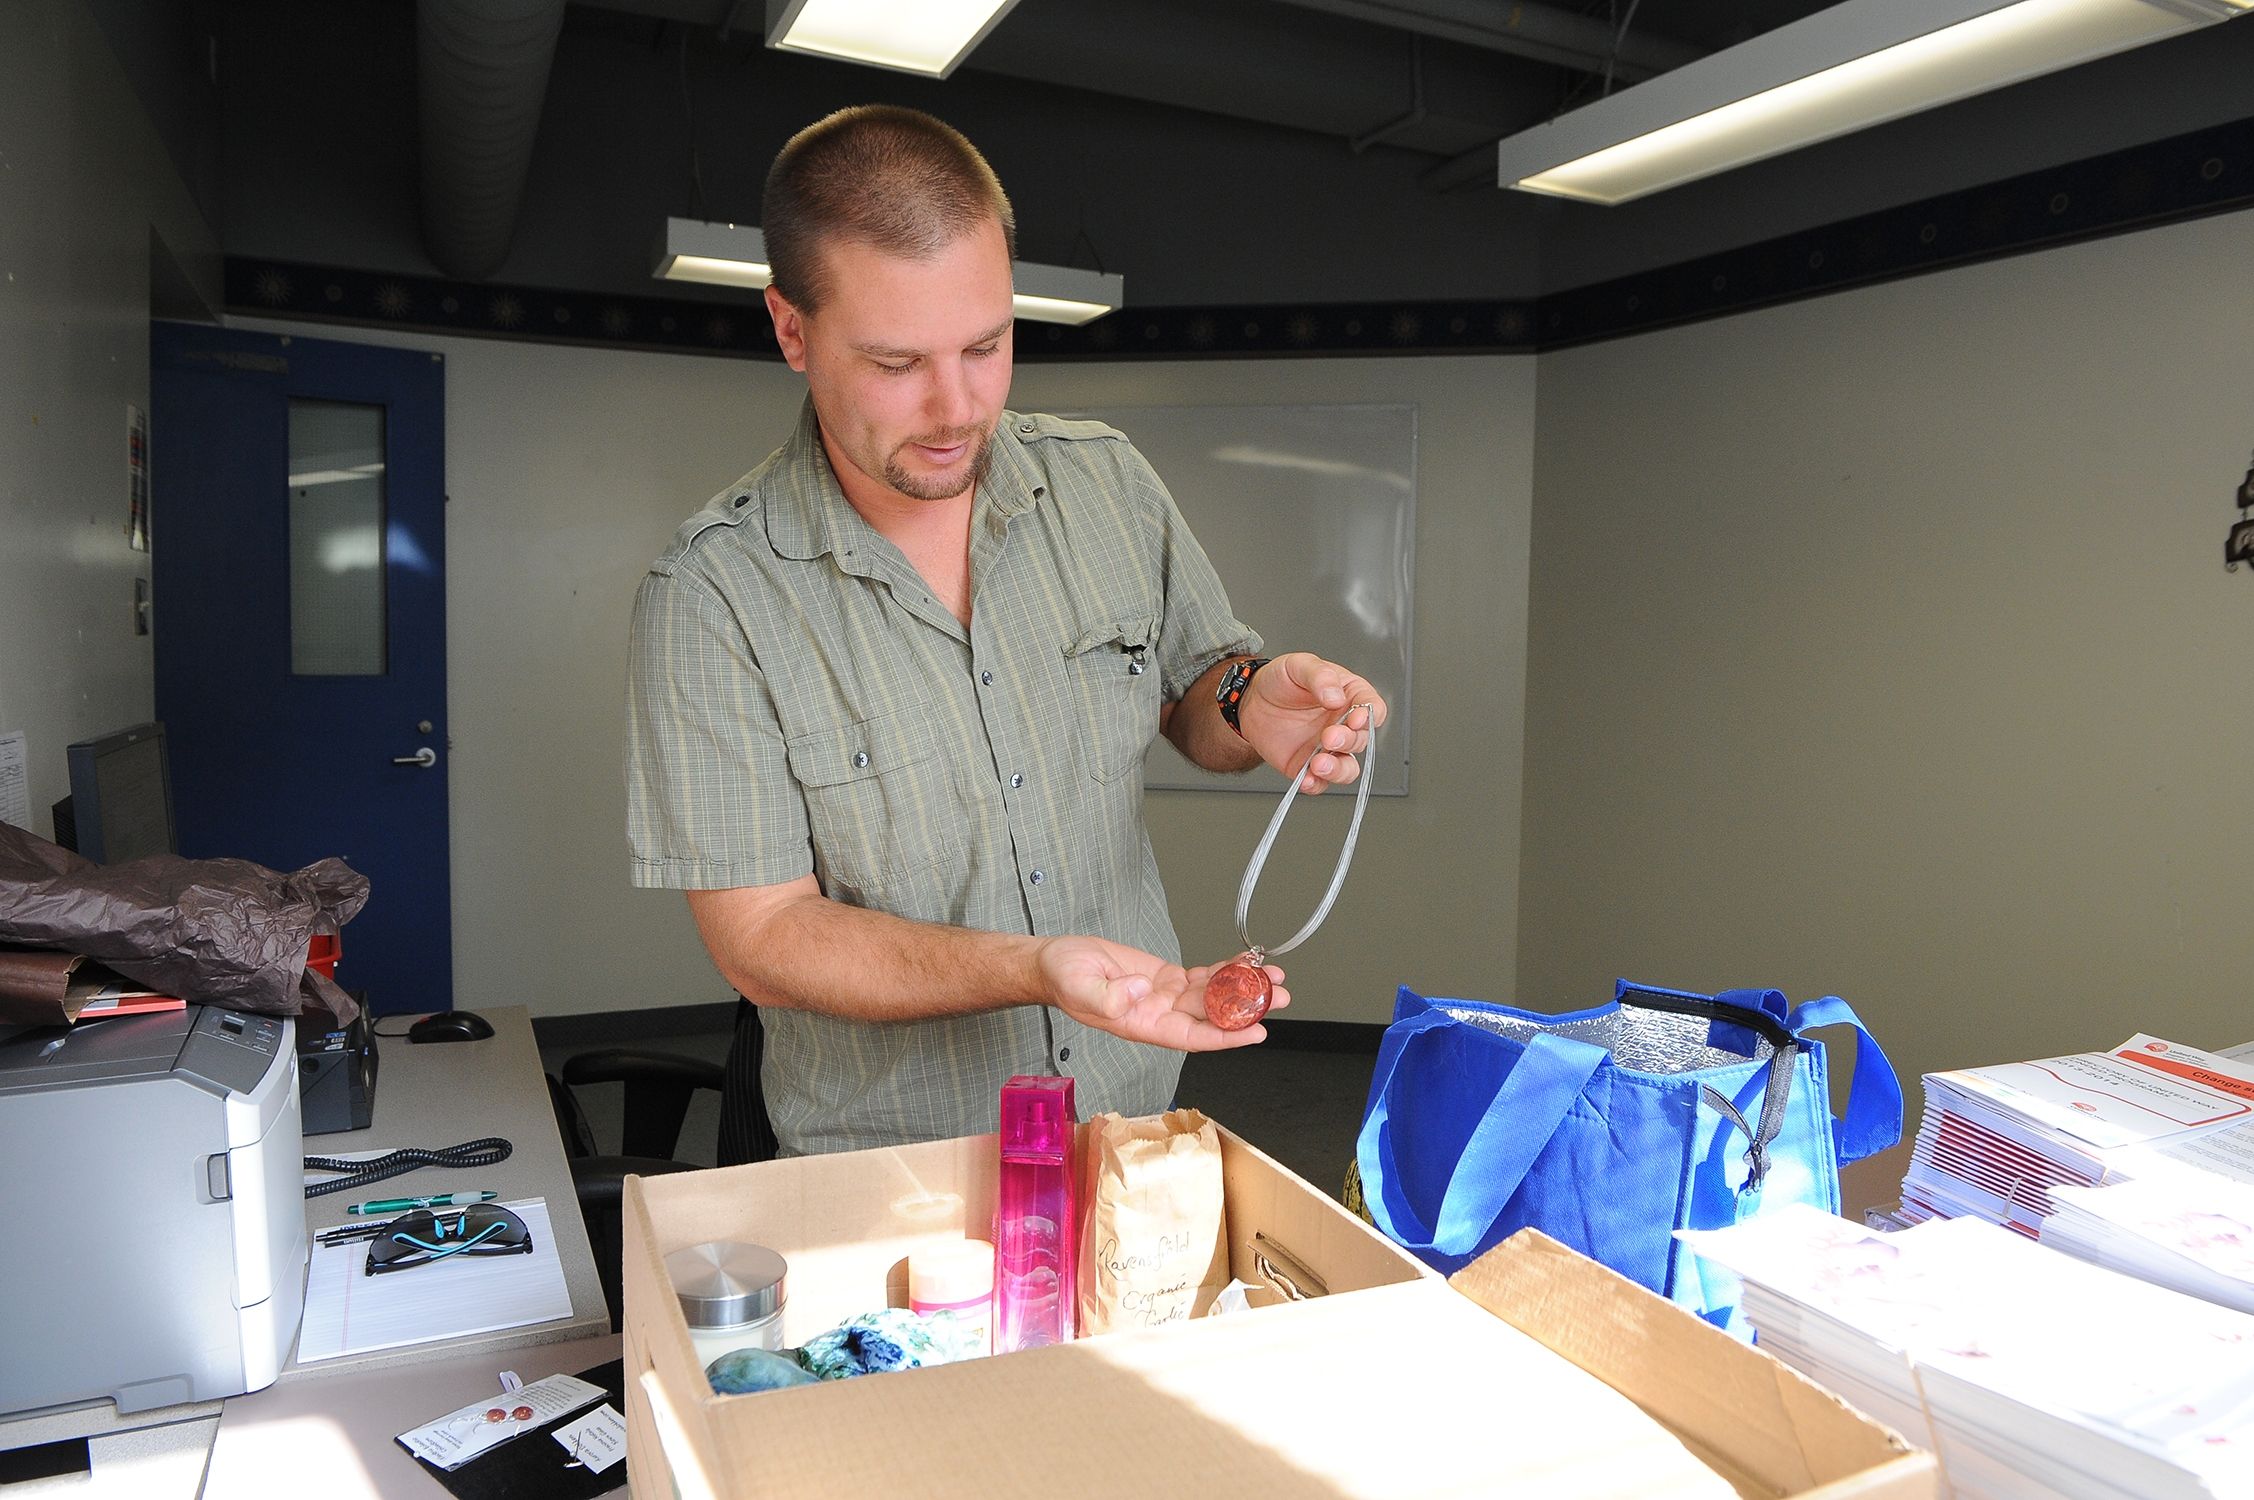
(1230, 693)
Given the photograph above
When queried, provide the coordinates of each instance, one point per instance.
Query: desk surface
(436, 1094)
(342, 1429)
(441, 1094)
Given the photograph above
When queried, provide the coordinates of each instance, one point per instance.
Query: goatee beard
(943, 487)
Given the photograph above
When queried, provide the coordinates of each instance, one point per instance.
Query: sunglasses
(421, 1237)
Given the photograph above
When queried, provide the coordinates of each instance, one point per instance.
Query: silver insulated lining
(1649, 1041)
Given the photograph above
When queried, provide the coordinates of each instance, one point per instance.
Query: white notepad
(348, 1311)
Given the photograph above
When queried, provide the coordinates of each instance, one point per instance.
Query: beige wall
(83, 184)
(1432, 899)
(1881, 646)
(568, 470)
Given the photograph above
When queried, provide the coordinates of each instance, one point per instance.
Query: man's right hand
(789, 946)
(1139, 997)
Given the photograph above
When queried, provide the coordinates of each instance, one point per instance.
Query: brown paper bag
(1154, 1248)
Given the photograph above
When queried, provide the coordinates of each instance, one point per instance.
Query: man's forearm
(806, 952)
(1197, 729)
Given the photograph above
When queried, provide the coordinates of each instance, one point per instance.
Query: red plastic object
(1237, 995)
(322, 953)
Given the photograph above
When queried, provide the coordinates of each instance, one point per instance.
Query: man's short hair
(893, 179)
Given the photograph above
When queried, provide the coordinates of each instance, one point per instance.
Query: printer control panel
(231, 1050)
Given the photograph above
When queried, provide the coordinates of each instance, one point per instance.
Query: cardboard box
(1539, 1372)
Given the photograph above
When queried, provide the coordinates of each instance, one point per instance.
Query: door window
(337, 526)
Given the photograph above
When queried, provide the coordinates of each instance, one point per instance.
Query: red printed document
(2144, 1090)
(113, 1001)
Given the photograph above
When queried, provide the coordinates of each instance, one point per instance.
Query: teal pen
(401, 1205)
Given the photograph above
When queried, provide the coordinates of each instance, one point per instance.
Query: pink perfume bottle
(1035, 1232)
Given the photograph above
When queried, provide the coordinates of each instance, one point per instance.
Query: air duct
(1546, 33)
(482, 68)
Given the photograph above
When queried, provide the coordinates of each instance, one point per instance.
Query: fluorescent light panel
(719, 254)
(1853, 65)
(1060, 294)
(908, 36)
(736, 255)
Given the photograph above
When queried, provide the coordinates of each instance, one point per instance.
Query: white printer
(152, 1209)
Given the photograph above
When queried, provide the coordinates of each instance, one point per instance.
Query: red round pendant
(1237, 995)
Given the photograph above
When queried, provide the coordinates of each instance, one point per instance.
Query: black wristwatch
(1230, 694)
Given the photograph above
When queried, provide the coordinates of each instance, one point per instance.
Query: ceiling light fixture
(736, 255)
(716, 254)
(1849, 66)
(909, 36)
(1063, 294)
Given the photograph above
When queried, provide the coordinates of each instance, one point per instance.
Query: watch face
(1239, 673)
(1230, 693)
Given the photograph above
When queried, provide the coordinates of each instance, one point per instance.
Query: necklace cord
(1259, 859)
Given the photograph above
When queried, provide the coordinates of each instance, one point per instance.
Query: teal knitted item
(891, 1338)
(742, 1371)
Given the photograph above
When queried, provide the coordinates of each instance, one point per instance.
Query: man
(890, 691)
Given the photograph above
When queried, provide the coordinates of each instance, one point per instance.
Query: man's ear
(790, 329)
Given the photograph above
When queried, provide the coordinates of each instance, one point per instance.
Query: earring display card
(596, 1440)
(567, 1450)
(468, 1431)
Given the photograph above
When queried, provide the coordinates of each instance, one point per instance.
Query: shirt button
(1026, 428)
(986, 679)
(742, 501)
(1037, 877)
(1017, 779)
(860, 760)
(1064, 1054)
(1134, 669)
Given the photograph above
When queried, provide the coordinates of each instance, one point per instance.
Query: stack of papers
(2027, 1372)
(1996, 1141)
(2188, 1231)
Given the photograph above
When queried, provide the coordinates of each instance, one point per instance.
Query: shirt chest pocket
(1115, 681)
(880, 803)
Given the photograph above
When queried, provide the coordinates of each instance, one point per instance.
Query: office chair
(659, 1089)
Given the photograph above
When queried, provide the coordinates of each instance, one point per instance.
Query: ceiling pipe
(482, 76)
(736, 13)
(1460, 171)
(1542, 32)
(1413, 118)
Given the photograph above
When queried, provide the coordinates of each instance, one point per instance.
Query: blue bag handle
(1874, 1098)
(1527, 1107)
(1736, 1020)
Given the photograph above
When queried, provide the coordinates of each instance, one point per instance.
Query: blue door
(298, 537)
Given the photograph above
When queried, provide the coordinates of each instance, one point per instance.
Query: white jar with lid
(731, 1294)
(956, 1276)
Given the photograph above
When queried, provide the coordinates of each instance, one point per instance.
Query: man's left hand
(1294, 705)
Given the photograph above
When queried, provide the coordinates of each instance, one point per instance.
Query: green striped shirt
(799, 701)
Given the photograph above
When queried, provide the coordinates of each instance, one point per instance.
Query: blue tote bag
(1612, 1128)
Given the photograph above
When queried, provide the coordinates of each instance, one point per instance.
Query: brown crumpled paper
(212, 931)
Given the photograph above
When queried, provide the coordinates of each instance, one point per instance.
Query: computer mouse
(451, 1026)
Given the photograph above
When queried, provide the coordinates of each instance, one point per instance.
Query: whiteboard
(1309, 516)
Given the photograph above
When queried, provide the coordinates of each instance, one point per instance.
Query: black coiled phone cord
(483, 1152)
